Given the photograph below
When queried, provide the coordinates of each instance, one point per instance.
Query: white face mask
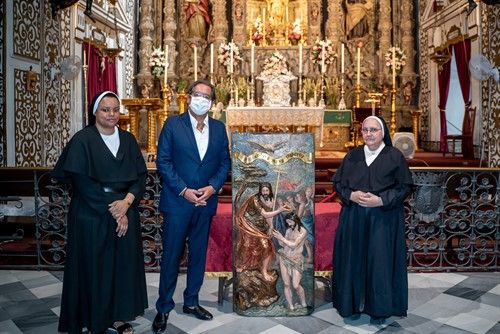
(199, 105)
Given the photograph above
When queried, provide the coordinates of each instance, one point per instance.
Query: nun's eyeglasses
(370, 130)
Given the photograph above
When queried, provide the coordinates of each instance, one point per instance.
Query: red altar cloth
(220, 245)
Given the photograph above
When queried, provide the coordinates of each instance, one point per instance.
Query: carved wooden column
(169, 29)
(385, 29)
(239, 15)
(144, 78)
(407, 41)
(335, 28)
(315, 17)
(220, 27)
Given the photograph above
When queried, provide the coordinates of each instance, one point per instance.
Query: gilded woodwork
(26, 20)
(27, 105)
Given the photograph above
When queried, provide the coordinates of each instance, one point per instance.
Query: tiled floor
(438, 303)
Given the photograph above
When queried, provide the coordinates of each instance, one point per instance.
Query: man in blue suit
(193, 161)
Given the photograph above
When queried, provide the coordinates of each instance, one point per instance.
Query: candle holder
(163, 114)
(322, 95)
(232, 97)
(342, 105)
(300, 101)
(358, 94)
(415, 114)
(392, 128)
(251, 100)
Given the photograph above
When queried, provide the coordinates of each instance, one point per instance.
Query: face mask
(199, 105)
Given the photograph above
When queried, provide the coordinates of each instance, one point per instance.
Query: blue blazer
(179, 164)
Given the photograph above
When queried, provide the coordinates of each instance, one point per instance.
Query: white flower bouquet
(224, 55)
(275, 65)
(157, 62)
(317, 52)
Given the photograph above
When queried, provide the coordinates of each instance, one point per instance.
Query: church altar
(276, 119)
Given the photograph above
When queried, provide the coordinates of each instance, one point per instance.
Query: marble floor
(438, 303)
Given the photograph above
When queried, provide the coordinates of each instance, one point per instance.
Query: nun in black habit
(104, 281)
(370, 273)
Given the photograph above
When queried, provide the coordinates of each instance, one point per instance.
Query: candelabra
(322, 96)
(251, 100)
(342, 105)
(392, 128)
(163, 114)
(232, 97)
(358, 94)
(301, 101)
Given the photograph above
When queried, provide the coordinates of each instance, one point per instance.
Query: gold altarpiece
(359, 24)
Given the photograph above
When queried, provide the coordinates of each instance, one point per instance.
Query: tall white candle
(252, 58)
(323, 58)
(165, 69)
(195, 63)
(342, 58)
(358, 74)
(231, 58)
(300, 58)
(393, 69)
(212, 58)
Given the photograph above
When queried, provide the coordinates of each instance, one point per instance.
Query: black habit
(104, 278)
(370, 273)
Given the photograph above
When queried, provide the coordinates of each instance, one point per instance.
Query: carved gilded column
(146, 26)
(220, 26)
(169, 29)
(239, 14)
(407, 42)
(385, 29)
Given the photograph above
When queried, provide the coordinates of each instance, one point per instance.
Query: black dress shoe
(160, 323)
(377, 320)
(198, 312)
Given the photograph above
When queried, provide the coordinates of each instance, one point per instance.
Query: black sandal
(124, 328)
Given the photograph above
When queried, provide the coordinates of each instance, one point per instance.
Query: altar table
(220, 245)
(275, 119)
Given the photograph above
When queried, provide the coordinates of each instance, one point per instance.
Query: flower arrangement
(275, 65)
(257, 31)
(317, 54)
(399, 58)
(224, 55)
(295, 31)
(157, 62)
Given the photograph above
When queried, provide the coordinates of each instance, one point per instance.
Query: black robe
(370, 273)
(104, 278)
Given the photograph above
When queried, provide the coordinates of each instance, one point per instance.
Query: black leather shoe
(160, 323)
(198, 312)
(377, 320)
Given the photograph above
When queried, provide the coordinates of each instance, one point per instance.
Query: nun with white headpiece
(370, 274)
(104, 281)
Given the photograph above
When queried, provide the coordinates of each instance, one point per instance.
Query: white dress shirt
(201, 137)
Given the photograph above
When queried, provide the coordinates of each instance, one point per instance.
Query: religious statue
(408, 92)
(277, 9)
(357, 17)
(198, 19)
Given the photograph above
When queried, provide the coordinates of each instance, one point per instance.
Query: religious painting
(273, 224)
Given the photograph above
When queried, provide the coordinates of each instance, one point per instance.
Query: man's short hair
(202, 82)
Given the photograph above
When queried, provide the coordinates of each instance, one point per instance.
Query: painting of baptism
(273, 224)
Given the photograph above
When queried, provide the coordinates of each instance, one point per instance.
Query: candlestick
(300, 58)
(264, 26)
(394, 69)
(212, 58)
(252, 58)
(342, 58)
(165, 69)
(358, 74)
(195, 63)
(323, 58)
(231, 58)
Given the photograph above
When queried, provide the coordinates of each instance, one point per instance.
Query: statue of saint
(357, 17)
(198, 19)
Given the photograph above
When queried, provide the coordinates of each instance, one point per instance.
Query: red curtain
(444, 86)
(462, 57)
(101, 71)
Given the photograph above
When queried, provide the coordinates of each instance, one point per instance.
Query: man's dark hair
(293, 216)
(202, 82)
(268, 186)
